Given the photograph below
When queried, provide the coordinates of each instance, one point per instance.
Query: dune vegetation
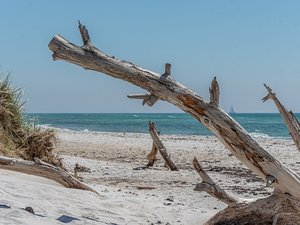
(18, 137)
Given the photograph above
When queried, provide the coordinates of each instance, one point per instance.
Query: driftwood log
(42, 169)
(209, 186)
(289, 118)
(283, 204)
(161, 148)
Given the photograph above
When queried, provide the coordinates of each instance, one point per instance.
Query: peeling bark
(161, 148)
(289, 118)
(42, 169)
(235, 138)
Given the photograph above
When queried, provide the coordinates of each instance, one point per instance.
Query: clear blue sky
(243, 43)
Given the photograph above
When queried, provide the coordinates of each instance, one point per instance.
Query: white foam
(259, 135)
(171, 116)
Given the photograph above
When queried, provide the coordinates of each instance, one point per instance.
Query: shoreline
(255, 135)
(258, 125)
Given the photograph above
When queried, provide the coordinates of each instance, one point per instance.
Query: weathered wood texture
(42, 169)
(230, 133)
(161, 148)
(275, 209)
(286, 183)
(289, 118)
(209, 186)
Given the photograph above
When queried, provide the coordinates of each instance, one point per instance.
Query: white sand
(113, 159)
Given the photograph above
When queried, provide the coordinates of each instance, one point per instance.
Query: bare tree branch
(209, 186)
(289, 118)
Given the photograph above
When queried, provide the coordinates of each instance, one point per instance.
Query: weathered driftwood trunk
(285, 182)
(42, 169)
(161, 148)
(289, 118)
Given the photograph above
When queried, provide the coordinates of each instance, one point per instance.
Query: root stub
(273, 210)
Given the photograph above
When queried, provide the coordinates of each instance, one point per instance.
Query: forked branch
(84, 34)
(151, 99)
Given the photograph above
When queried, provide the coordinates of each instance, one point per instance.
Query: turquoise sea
(259, 124)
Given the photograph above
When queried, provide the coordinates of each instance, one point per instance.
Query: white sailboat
(231, 111)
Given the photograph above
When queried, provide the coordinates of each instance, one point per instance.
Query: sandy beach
(81, 86)
(116, 163)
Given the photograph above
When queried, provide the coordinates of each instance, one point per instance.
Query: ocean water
(258, 124)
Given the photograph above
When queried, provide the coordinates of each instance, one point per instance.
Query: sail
(231, 111)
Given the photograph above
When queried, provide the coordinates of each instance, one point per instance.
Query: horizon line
(144, 113)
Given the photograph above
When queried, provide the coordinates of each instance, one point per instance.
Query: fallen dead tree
(289, 118)
(283, 205)
(42, 169)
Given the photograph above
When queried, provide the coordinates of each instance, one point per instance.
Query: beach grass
(18, 137)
